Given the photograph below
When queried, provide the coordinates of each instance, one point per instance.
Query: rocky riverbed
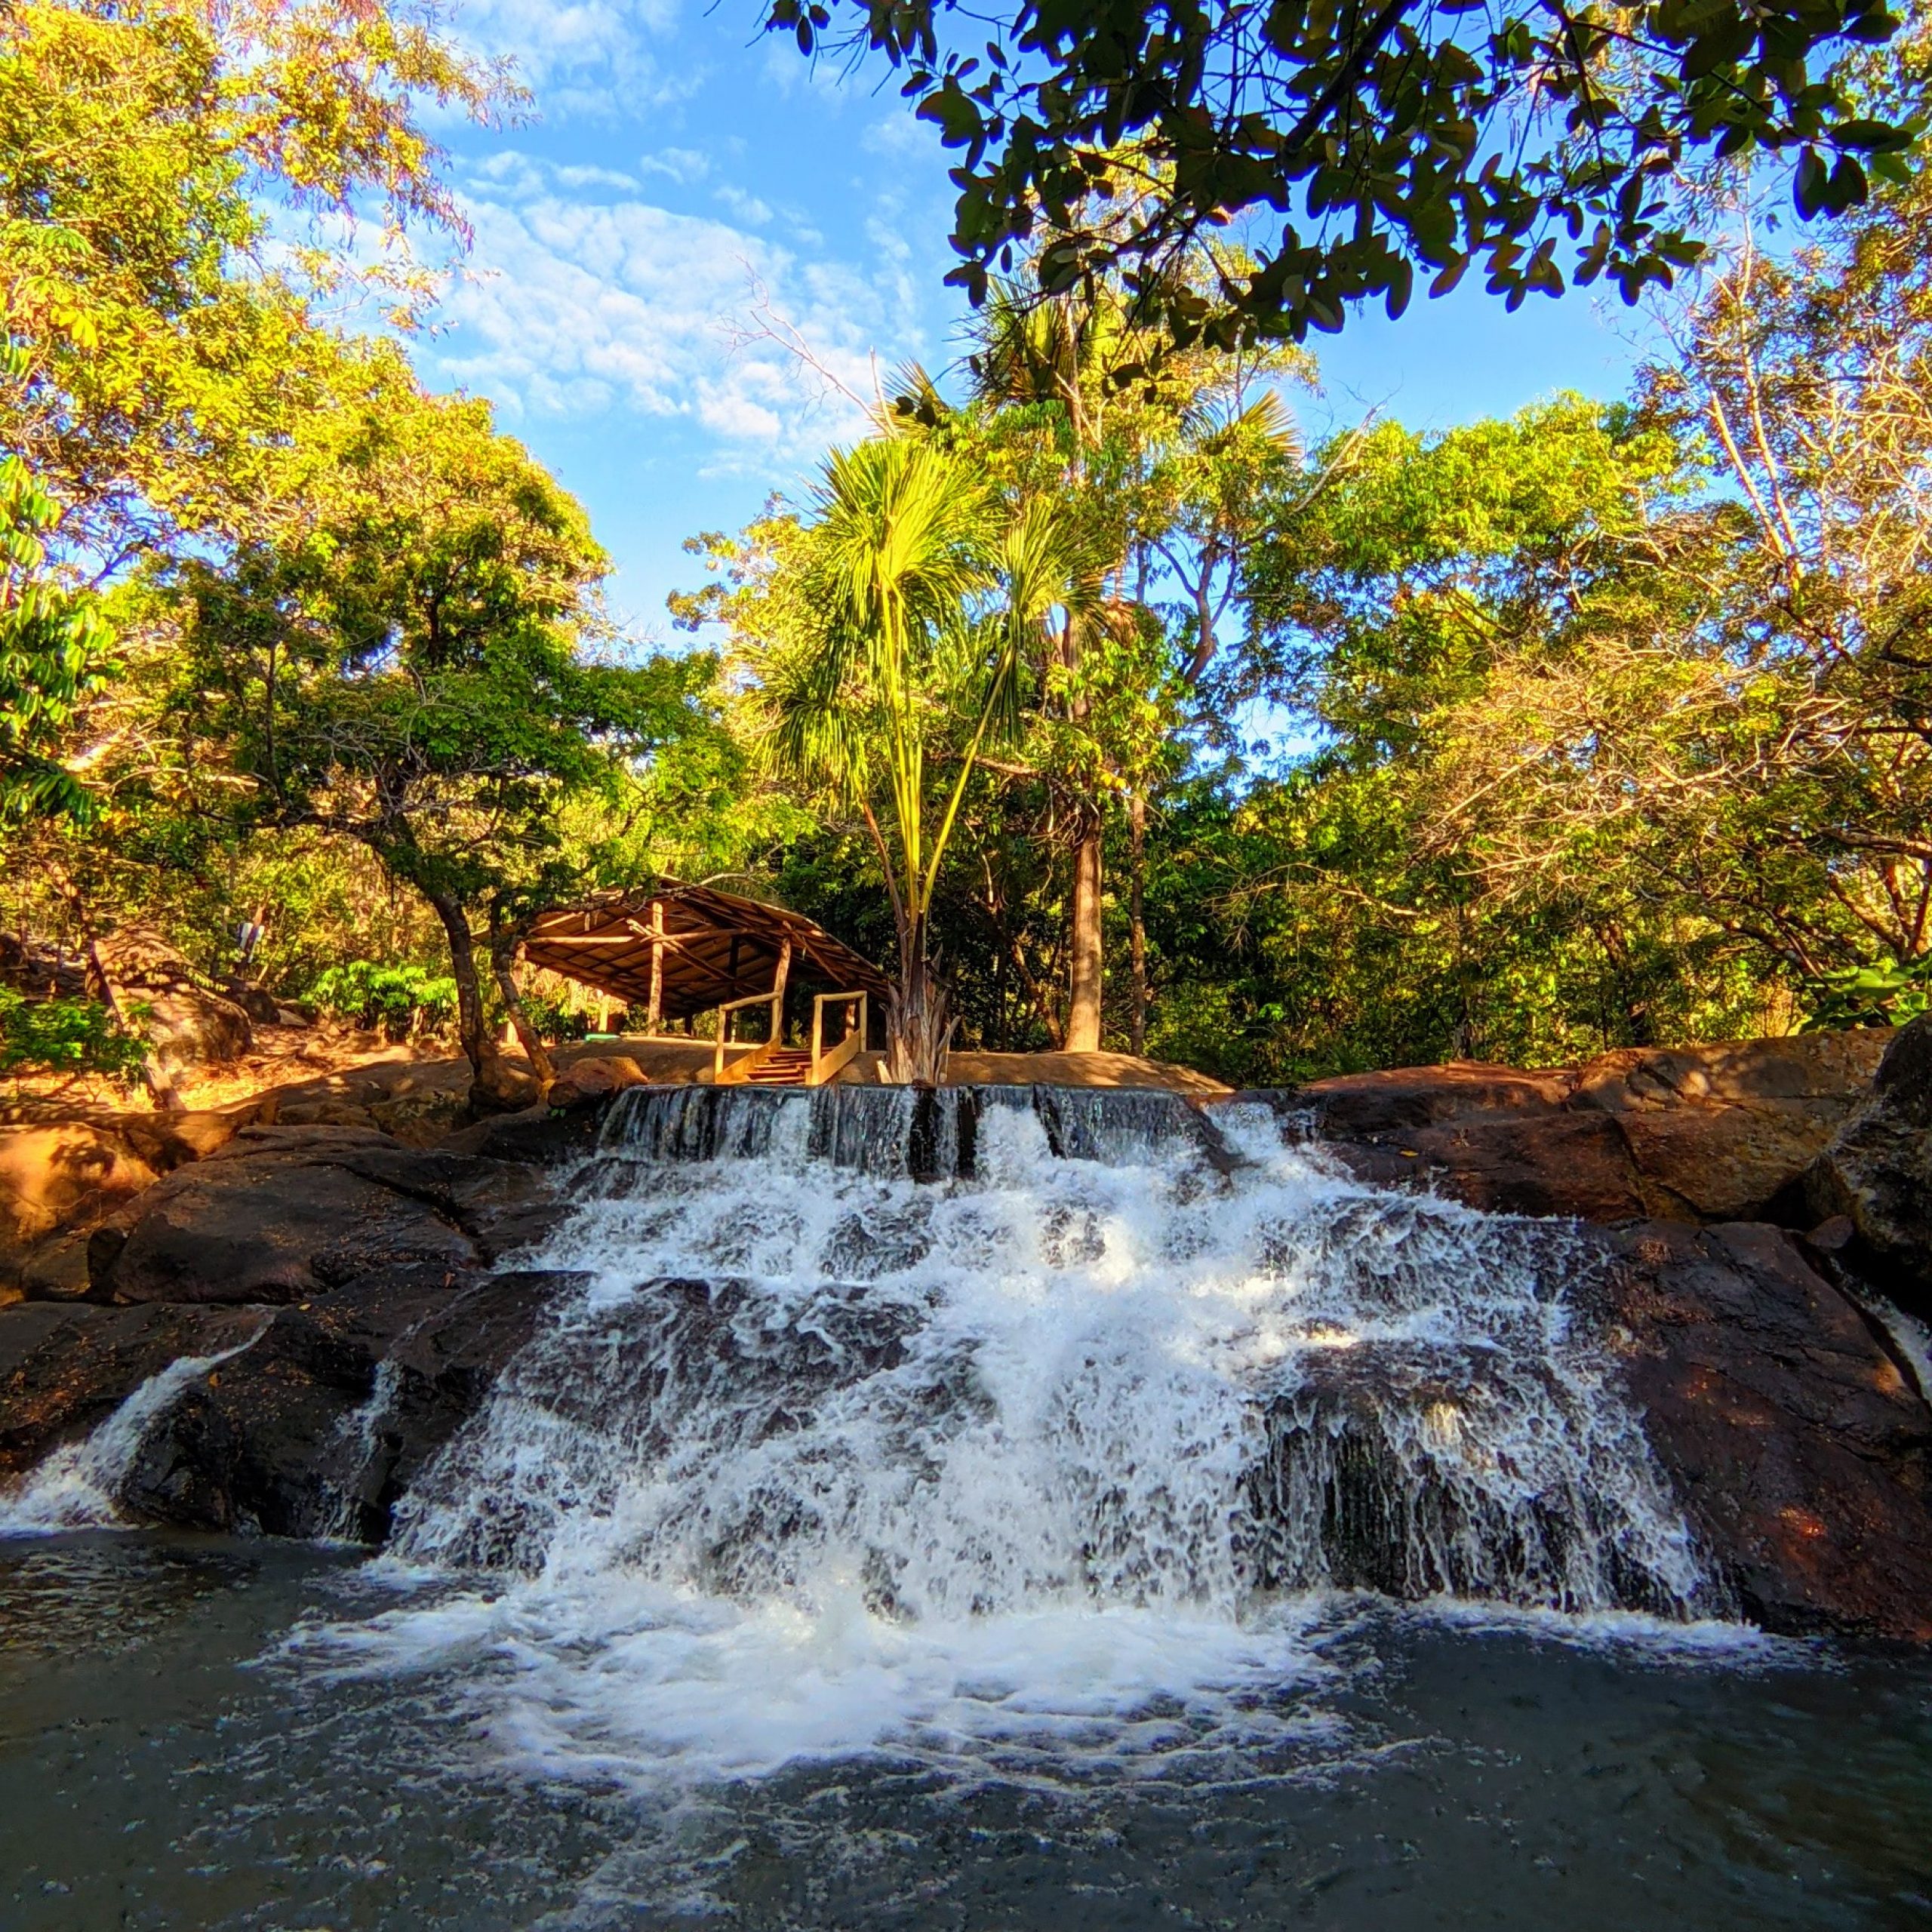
(1751, 1220)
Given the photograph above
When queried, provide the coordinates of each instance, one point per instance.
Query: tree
(1430, 617)
(1418, 135)
(152, 359)
(53, 652)
(1765, 754)
(408, 665)
(1166, 476)
(900, 656)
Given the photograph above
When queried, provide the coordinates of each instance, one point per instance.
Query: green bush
(553, 1019)
(1886, 994)
(398, 1001)
(64, 1036)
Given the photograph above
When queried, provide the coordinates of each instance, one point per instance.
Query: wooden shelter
(683, 950)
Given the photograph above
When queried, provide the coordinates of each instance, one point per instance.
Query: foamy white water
(78, 1486)
(1051, 1465)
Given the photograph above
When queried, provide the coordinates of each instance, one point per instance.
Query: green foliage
(65, 1036)
(400, 1002)
(1123, 136)
(53, 644)
(1887, 993)
(554, 1019)
(142, 150)
(1602, 725)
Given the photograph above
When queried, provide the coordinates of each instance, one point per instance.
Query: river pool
(185, 1741)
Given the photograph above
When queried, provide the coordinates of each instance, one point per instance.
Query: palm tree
(1062, 352)
(925, 611)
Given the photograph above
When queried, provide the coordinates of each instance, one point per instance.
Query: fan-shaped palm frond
(811, 727)
(915, 402)
(899, 543)
(1264, 425)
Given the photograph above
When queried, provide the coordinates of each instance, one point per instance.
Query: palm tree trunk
(918, 1032)
(1083, 1018)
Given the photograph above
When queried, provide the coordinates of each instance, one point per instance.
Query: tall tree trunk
(918, 1030)
(502, 962)
(1083, 1017)
(485, 1080)
(1136, 825)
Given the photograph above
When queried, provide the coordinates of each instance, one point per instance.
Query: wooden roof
(717, 947)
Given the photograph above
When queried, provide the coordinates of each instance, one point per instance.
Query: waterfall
(78, 1486)
(825, 1454)
(1201, 1368)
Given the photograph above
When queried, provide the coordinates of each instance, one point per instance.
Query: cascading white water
(78, 1486)
(1057, 1448)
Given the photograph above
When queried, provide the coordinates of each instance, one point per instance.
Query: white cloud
(680, 164)
(594, 57)
(747, 208)
(590, 312)
(512, 171)
(900, 133)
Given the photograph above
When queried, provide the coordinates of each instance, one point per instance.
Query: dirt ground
(283, 1056)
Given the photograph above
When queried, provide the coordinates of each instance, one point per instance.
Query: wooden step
(786, 1068)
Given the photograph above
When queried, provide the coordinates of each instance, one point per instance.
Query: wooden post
(654, 1018)
(603, 1011)
(783, 973)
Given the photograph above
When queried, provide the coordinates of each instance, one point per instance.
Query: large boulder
(319, 1425)
(1698, 1133)
(592, 1081)
(59, 1181)
(284, 1214)
(1877, 1170)
(187, 1025)
(1792, 1425)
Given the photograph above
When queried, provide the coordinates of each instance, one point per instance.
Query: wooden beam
(656, 1007)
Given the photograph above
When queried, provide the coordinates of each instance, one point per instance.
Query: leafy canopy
(1369, 144)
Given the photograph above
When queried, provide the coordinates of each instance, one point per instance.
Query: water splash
(78, 1486)
(824, 1458)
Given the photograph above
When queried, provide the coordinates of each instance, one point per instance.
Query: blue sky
(690, 197)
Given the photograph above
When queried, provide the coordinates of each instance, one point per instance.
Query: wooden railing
(826, 1066)
(740, 1071)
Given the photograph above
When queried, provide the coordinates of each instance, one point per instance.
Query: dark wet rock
(536, 1136)
(1793, 1432)
(1563, 1163)
(307, 1433)
(64, 1371)
(1398, 1100)
(284, 1213)
(1877, 1172)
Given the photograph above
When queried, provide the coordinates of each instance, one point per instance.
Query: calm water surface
(168, 1758)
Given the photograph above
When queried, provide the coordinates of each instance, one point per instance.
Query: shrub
(553, 1019)
(400, 1002)
(65, 1036)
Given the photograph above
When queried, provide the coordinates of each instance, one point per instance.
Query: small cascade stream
(946, 1423)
